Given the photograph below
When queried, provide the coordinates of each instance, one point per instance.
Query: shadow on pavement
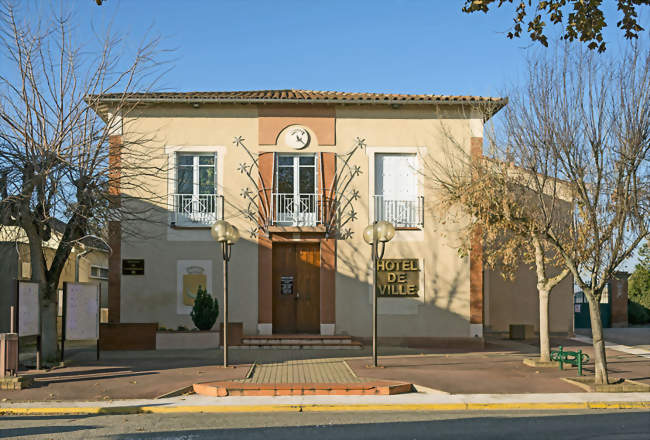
(42, 430)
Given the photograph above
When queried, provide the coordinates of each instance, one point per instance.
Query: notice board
(29, 323)
(81, 311)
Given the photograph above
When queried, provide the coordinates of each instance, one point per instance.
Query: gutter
(500, 102)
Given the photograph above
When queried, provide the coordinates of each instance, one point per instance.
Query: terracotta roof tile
(296, 96)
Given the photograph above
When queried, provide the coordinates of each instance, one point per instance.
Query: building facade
(302, 265)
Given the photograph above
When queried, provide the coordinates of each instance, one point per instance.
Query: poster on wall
(191, 274)
(81, 311)
(28, 309)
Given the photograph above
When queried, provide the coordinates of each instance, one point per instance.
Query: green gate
(582, 317)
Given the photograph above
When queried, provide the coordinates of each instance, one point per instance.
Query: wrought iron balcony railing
(290, 209)
(401, 213)
(196, 210)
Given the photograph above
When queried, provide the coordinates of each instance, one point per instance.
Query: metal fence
(401, 213)
(196, 209)
(296, 209)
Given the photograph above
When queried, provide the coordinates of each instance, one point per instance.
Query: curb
(144, 409)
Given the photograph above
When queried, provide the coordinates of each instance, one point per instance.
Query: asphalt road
(593, 425)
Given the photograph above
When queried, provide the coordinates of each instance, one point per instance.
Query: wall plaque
(286, 285)
(398, 277)
(132, 267)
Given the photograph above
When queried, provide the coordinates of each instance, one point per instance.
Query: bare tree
(593, 116)
(499, 202)
(580, 126)
(55, 136)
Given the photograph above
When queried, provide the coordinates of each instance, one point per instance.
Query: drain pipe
(76, 264)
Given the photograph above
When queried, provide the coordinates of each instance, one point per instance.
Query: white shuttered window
(396, 190)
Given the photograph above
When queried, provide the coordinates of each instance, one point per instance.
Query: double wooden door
(296, 288)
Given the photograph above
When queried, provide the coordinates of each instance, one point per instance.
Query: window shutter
(396, 176)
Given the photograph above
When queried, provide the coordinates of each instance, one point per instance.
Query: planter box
(188, 339)
(128, 336)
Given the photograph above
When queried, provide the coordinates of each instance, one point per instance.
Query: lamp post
(379, 232)
(226, 234)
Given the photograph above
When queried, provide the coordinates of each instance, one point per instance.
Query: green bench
(575, 358)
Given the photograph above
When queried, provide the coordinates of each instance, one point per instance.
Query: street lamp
(379, 232)
(226, 234)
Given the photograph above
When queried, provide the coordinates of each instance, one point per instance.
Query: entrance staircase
(300, 341)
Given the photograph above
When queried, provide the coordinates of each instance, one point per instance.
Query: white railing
(196, 210)
(401, 213)
(296, 209)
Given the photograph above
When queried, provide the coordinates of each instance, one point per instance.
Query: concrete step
(375, 387)
(295, 346)
(299, 340)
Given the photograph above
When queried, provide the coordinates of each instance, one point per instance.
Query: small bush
(637, 313)
(205, 310)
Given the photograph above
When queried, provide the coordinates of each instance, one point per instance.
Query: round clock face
(297, 138)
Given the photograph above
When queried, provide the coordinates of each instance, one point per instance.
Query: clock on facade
(297, 137)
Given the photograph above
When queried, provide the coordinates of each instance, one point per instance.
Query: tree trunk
(600, 360)
(544, 337)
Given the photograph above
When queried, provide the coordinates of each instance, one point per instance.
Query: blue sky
(414, 46)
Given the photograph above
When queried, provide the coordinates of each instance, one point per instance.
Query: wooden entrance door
(296, 288)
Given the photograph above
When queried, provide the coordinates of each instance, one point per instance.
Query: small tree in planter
(205, 310)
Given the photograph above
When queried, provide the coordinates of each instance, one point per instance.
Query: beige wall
(94, 258)
(516, 302)
(442, 310)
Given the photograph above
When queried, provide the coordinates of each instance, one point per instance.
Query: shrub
(205, 310)
(637, 313)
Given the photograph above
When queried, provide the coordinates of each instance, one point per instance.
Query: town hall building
(301, 174)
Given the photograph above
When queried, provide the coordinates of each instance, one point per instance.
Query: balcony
(288, 209)
(405, 214)
(196, 210)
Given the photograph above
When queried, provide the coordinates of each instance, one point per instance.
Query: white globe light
(232, 235)
(385, 231)
(368, 234)
(219, 230)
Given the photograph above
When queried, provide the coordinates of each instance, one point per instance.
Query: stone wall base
(427, 342)
(15, 382)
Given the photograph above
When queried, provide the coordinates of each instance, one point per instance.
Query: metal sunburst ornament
(243, 168)
(238, 141)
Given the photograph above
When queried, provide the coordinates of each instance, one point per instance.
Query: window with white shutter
(397, 199)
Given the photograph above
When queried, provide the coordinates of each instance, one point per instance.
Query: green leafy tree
(205, 310)
(639, 288)
(582, 20)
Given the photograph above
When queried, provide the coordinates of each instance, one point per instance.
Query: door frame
(327, 277)
(297, 312)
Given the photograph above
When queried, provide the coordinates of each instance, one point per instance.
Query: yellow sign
(398, 277)
(192, 280)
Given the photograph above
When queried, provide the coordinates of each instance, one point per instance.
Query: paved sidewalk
(303, 371)
(635, 337)
(642, 352)
(498, 369)
(422, 401)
